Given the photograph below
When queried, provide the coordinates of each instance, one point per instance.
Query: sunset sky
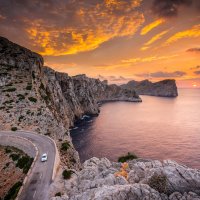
(117, 40)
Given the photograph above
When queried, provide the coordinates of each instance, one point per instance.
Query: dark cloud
(161, 74)
(169, 8)
(196, 50)
(197, 72)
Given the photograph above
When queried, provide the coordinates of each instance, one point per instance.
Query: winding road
(40, 177)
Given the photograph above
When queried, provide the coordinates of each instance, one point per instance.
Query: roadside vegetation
(21, 159)
(12, 193)
(67, 174)
(65, 146)
(14, 129)
(15, 164)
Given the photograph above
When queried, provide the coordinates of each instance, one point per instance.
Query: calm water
(158, 128)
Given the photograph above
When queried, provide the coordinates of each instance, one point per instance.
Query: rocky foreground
(165, 88)
(139, 179)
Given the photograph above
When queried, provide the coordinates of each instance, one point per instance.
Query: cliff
(37, 98)
(165, 88)
(140, 179)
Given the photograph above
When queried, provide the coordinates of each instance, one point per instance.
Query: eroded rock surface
(165, 88)
(96, 181)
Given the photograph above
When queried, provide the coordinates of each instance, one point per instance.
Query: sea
(158, 128)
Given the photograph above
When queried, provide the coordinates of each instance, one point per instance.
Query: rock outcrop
(165, 88)
(37, 98)
(147, 179)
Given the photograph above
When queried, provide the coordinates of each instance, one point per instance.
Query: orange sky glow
(117, 40)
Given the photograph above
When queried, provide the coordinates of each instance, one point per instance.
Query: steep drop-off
(164, 88)
(37, 98)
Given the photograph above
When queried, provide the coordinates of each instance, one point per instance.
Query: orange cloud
(153, 39)
(151, 26)
(97, 24)
(156, 37)
(147, 59)
(194, 32)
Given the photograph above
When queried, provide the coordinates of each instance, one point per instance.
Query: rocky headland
(37, 98)
(164, 88)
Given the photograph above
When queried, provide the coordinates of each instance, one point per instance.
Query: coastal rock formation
(165, 88)
(147, 179)
(37, 98)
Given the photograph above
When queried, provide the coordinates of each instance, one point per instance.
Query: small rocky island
(37, 98)
(164, 88)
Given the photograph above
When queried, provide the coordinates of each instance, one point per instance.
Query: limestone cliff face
(165, 88)
(37, 98)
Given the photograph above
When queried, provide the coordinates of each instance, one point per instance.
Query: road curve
(40, 178)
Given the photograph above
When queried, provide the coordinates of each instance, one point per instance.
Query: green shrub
(67, 174)
(65, 146)
(158, 182)
(24, 163)
(8, 102)
(20, 118)
(12, 193)
(38, 114)
(29, 87)
(7, 164)
(10, 90)
(8, 150)
(58, 194)
(13, 128)
(21, 97)
(5, 167)
(129, 156)
(28, 112)
(33, 75)
(72, 160)
(14, 156)
(32, 99)
(27, 166)
(2, 107)
(42, 86)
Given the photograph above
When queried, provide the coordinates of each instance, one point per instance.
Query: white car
(44, 157)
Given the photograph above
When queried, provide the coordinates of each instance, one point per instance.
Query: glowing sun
(194, 85)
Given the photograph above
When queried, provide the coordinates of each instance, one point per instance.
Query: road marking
(34, 194)
(40, 176)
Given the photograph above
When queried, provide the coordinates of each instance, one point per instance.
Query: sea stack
(164, 88)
